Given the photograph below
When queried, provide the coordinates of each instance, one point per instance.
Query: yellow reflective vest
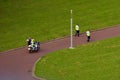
(88, 33)
(76, 27)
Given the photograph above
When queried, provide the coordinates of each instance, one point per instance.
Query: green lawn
(49, 19)
(94, 61)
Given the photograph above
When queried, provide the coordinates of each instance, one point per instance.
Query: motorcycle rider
(33, 44)
(28, 41)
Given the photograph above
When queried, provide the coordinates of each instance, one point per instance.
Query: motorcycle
(34, 47)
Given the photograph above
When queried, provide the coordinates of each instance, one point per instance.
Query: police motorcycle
(34, 47)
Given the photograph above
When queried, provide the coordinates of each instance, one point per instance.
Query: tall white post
(71, 35)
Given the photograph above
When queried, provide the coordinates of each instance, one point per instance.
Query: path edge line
(33, 70)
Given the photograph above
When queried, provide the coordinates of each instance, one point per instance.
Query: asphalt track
(17, 64)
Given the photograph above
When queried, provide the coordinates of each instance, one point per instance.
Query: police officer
(77, 31)
(29, 41)
(32, 41)
(33, 44)
(88, 35)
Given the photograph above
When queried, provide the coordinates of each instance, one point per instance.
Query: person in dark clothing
(88, 36)
(29, 41)
(77, 31)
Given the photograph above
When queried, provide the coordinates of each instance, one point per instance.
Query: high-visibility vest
(76, 27)
(33, 40)
(88, 33)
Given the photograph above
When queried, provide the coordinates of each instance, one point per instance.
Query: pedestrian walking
(88, 36)
(77, 30)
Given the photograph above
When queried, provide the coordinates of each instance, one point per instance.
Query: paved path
(18, 64)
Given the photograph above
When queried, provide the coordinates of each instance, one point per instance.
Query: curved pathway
(18, 64)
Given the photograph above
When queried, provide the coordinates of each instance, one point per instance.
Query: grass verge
(95, 61)
(45, 20)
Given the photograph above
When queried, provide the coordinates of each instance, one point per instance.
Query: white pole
(71, 37)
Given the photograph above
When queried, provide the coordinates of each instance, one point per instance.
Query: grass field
(94, 61)
(49, 19)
